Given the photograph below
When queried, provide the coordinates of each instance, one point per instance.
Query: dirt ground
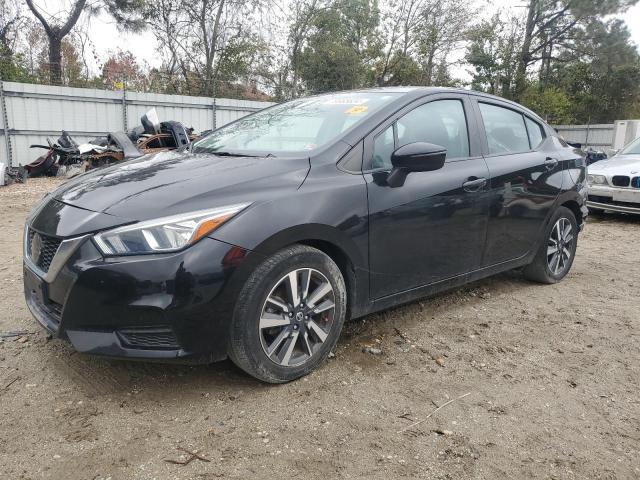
(551, 373)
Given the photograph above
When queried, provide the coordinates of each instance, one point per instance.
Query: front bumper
(170, 306)
(616, 199)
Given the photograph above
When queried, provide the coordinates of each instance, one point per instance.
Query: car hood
(169, 183)
(617, 165)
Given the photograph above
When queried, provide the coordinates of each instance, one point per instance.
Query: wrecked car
(68, 158)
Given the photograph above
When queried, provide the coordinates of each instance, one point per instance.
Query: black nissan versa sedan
(258, 241)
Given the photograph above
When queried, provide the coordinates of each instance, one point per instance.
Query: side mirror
(415, 157)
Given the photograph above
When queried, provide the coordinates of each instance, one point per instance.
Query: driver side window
(441, 122)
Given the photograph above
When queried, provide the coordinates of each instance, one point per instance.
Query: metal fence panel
(37, 112)
(598, 136)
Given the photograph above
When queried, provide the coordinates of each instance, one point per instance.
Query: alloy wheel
(297, 317)
(560, 246)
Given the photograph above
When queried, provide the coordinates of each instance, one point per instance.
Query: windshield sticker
(346, 101)
(356, 110)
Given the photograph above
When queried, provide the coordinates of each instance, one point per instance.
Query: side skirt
(447, 284)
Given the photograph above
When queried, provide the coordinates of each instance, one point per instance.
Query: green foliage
(551, 103)
(565, 59)
(341, 46)
(590, 73)
(602, 77)
(403, 70)
(492, 53)
(12, 67)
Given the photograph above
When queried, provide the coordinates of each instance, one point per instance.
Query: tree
(551, 24)
(341, 46)
(126, 12)
(12, 22)
(552, 103)
(304, 15)
(421, 36)
(122, 68)
(444, 27)
(203, 41)
(492, 52)
(602, 74)
(55, 33)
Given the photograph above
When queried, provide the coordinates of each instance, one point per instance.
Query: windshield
(298, 125)
(632, 149)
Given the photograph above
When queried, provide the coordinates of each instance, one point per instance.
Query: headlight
(167, 234)
(596, 179)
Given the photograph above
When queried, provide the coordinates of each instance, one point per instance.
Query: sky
(106, 37)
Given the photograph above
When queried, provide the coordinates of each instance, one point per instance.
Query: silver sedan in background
(614, 184)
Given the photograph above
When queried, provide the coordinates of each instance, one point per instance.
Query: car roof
(418, 91)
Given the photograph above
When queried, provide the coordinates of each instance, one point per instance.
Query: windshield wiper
(228, 154)
(223, 153)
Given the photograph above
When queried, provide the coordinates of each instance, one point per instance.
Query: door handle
(474, 184)
(550, 163)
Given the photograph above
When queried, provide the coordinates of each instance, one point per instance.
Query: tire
(270, 338)
(42, 165)
(549, 266)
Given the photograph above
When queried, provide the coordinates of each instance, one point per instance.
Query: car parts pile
(67, 158)
(9, 175)
(590, 154)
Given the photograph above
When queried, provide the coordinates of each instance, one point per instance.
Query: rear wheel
(555, 255)
(289, 315)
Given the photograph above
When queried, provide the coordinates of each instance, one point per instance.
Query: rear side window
(536, 135)
(505, 128)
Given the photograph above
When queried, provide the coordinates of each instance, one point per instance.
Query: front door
(433, 227)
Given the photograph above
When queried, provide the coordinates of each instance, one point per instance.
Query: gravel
(553, 374)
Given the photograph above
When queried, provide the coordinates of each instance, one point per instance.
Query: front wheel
(556, 253)
(289, 315)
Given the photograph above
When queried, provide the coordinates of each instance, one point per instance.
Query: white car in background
(614, 184)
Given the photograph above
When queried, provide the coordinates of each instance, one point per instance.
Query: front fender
(330, 208)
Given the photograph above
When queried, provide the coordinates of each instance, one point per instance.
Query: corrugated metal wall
(598, 136)
(35, 112)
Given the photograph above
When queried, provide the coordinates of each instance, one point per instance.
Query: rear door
(526, 179)
(433, 227)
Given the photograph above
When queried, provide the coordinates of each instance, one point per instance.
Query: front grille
(150, 338)
(42, 248)
(55, 308)
(635, 182)
(51, 310)
(620, 181)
